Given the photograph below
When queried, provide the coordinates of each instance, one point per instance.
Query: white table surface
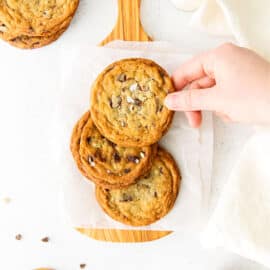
(33, 210)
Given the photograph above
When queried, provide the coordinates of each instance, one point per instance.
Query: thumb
(192, 100)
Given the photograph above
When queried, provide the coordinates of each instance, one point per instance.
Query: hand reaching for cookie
(233, 82)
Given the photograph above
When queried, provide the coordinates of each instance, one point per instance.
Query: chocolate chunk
(18, 237)
(82, 265)
(116, 157)
(45, 239)
(126, 198)
(133, 159)
(155, 194)
(137, 102)
(122, 77)
(89, 139)
(128, 170)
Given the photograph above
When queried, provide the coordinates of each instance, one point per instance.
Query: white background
(34, 208)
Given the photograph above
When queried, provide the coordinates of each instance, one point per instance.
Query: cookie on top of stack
(32, 24)
(115, 143)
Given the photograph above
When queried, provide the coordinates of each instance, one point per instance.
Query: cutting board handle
(128, 26)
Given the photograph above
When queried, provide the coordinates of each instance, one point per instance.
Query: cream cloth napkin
(241, 220)
(246, 20)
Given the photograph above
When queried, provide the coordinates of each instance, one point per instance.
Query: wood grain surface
(128, 28)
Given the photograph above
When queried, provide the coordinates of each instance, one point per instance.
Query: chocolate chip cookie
(127, 102)
(104, 162)
(149, 199)
(31, 24)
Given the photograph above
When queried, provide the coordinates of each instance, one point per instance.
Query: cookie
(35, 19)
(149, 199)
(27, 42)
(104, 162)
(127, 102)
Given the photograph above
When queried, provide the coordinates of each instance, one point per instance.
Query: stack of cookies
(115, 143)
(32, 24)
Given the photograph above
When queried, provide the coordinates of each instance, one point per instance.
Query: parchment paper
(191, 148)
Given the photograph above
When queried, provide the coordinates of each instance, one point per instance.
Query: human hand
(233, 82)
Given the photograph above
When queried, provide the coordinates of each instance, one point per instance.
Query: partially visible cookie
(127, 103)
(104, 162)
(32, 24)
(149, 199)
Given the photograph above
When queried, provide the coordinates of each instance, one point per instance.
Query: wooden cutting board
(128, 28)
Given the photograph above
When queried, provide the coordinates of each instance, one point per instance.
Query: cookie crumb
(18, 237)
(82, 265)
(45, 239)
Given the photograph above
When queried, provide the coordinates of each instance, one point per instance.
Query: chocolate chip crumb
(128, 170)
(82, 265)
(45, 239)
(122, 77)
(116, 157)
(18, 237)
(126, 198)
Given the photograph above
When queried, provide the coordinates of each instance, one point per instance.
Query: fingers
(194, 118)
(193, 100)
(194, 69)
(205, 82)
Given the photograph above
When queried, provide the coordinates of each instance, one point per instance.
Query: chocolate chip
(99, 156)
(106, 189)
(91, 161)
(122, 77)
(45, 239)
(116, 157)
(128, 170)
(155, 194)
(147, 176)
(82, 265)
(115, 102)
(111, 144)
(18, 237)
(161, 170)
(133, 159)
(89, 139)
(137, 102)
(160, 108)
(126, 198)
